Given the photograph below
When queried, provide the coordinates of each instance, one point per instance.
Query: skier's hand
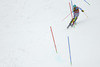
(82, 10)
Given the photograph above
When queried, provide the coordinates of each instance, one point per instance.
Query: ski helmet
(74, 5)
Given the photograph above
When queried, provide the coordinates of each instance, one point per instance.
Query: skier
(76, 14)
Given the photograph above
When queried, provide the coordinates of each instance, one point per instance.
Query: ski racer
(76, 14)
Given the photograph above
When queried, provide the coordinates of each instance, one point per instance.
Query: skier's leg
(74, 21)
(71, 22)
(76, 16)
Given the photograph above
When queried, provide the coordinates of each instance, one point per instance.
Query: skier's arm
(81, 9)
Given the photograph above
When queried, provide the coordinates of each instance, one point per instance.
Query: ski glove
(82, 10)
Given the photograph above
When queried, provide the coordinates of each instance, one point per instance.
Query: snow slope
(26, 40)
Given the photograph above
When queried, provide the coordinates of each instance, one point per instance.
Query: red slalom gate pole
(53, 39)
(71, 11)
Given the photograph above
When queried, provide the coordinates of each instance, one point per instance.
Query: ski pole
(66, 17)
(85, 15)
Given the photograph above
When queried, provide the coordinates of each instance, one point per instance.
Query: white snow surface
(26, 40)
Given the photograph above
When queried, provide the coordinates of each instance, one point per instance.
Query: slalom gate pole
(86, 2)
(69, 51)
(72, 4)
(71, 12)
(53, 39)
